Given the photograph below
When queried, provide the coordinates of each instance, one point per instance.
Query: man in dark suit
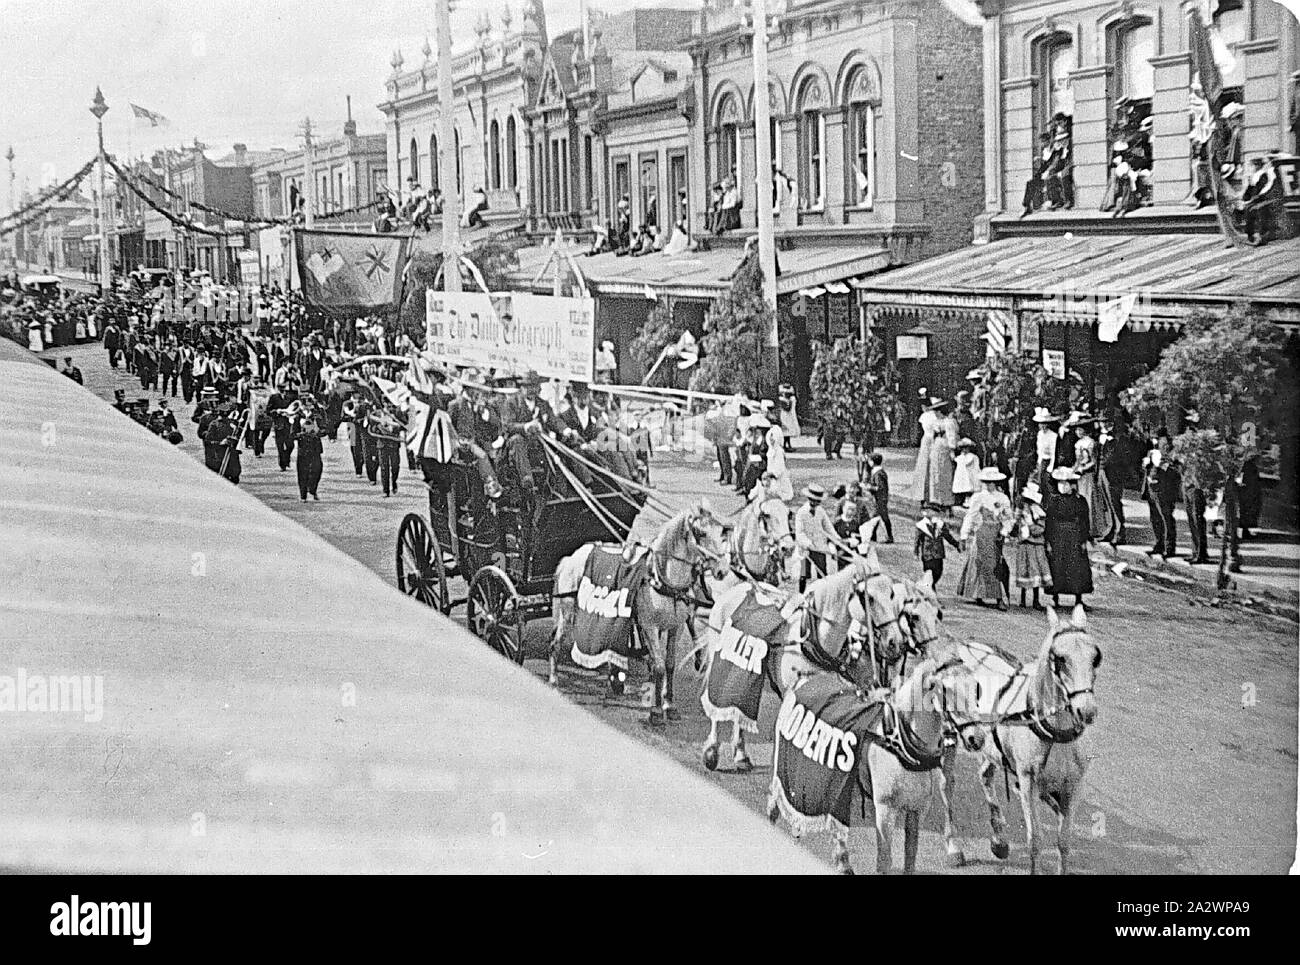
(169, 366)
(524, 417)
(478, 427)
(1160, 490)
(281, 424)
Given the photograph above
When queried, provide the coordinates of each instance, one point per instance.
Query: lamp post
(99, 108)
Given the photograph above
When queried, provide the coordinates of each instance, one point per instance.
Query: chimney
(241, 155)
(350, 126)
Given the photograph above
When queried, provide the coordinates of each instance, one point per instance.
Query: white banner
(552, 335)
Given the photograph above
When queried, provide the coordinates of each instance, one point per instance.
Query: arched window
(812, 104)
(415, 160)
(435, 163)
(1053, 59)
(1134, 46)
(460, 180)
(512, 169)
(494, 149)
(1230, 19)
(728, 127)
(862, 98)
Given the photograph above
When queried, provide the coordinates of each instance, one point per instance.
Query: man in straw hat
(813, 532)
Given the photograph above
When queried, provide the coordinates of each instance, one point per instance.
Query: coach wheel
(492, 613)
(420, 572)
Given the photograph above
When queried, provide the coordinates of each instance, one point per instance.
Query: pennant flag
(342, 270)
(395, 392)
(1113, 316)
(153, 117)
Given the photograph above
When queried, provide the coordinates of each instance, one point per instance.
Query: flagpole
(447, 149)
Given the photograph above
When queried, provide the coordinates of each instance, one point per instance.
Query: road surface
(1192, 760)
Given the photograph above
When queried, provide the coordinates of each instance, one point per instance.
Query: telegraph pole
(12, 243)
(763, 202)
(309, 176)
(447, 151)
(99, 108)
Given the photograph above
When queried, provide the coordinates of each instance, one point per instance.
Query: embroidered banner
(602, 614)
(734, 686)
(821, 732)
(349, 270)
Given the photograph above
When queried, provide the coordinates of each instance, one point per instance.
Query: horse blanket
(821, 731)
(602, 617)
(734, 685)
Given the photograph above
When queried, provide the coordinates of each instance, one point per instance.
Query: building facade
(494, 84)
(1093, 292)
(348, 172)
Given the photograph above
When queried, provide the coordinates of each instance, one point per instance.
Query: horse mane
(673, 532)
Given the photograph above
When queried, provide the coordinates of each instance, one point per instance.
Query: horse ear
(873, 561)
(1053, 621)
(1079, 616)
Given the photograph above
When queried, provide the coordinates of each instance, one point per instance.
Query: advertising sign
(552, 335)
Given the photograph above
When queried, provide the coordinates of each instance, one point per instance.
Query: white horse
(1036, 714)
(903, 754)
(857, 606)
(689, 544)
(761, 540)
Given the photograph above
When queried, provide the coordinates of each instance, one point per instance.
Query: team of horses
(884, 636)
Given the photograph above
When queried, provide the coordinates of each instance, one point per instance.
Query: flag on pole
(344, 270)
(153, 117)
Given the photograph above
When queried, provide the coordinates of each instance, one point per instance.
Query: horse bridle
(659, 558)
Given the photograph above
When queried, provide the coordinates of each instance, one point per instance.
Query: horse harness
(1039, 719)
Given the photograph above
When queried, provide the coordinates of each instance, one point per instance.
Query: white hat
(1064, 474)
(991, 474)
(1042, 415)
(758, 421)
(1032, 493)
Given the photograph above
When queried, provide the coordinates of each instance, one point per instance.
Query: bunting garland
(57, 192)
(176, 220)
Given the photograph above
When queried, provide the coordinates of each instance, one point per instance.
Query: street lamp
(99, 108)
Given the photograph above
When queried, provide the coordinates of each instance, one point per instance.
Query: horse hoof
(656, 718)
(954, 859)
(672, 713)
(844, 870)
(1001, 849)
(711, 758)
(744, 765)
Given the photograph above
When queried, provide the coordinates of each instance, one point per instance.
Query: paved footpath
(1192, 761)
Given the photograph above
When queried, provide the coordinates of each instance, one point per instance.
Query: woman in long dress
(1067, 534)
(987, 524)
(929, 420)
(1087, 466)
(936, 471)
